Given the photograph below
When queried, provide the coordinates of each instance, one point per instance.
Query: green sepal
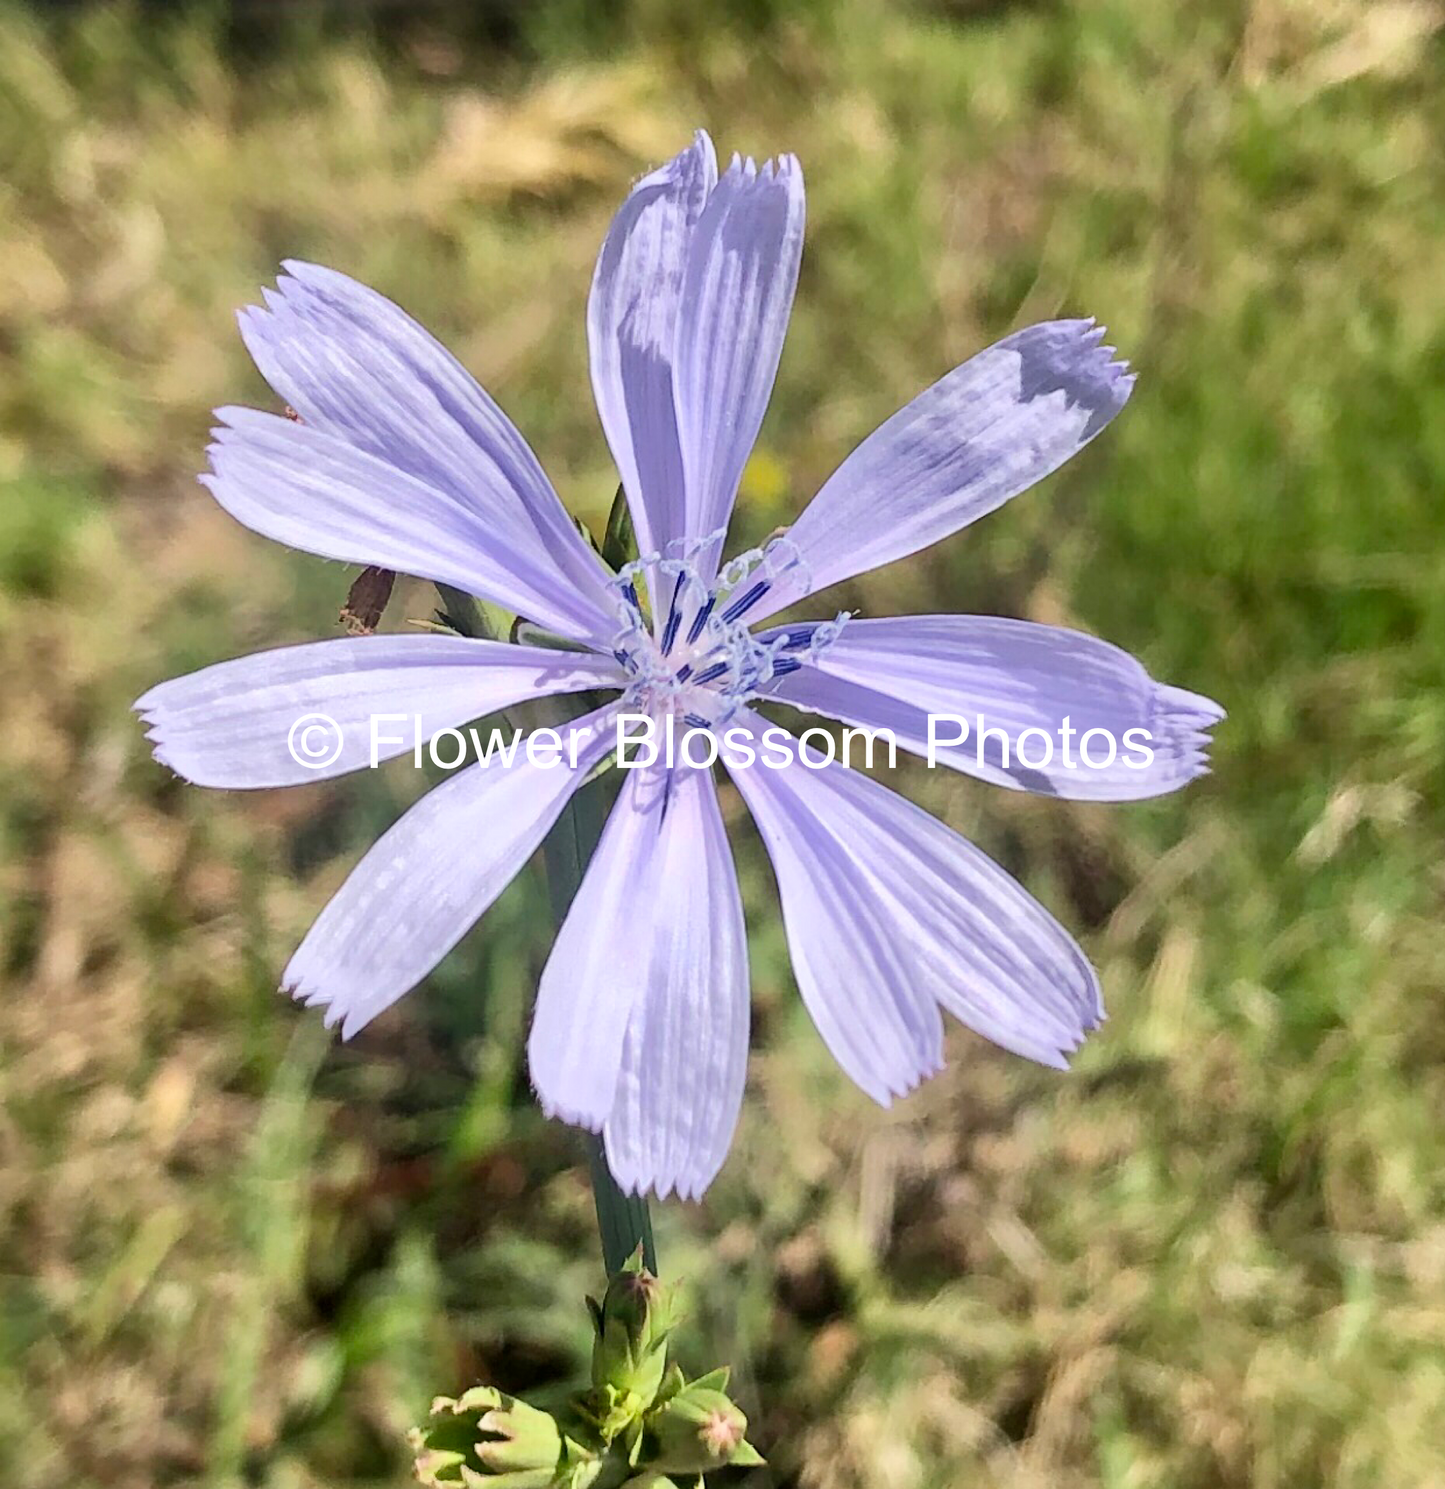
(619, 544)
(672, 1382)
(747, 1456)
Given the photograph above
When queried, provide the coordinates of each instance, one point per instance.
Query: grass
(1214, 1255)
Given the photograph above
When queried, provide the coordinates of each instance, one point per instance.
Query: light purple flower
(402, 461)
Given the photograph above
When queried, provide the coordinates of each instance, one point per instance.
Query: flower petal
(1011, 675)
(979, 436)
(356, 366)
(251, 722)
(684, 1060)
(890, 915)
(642, 918)
(632, 329)
(737, 296)
(313, 491)
(427, 880)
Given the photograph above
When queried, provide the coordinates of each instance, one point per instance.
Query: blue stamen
(800, 638)
(784, 665)
(629, 590)
(695, 721)
(684, 672)
(674, 616)
(741, 606)
(700, 620)
(709, 673)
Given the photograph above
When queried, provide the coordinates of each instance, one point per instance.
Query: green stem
(623, 1221)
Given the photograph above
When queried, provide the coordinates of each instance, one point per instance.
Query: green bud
(633, 1322)
(487, 1438)
(700, 1429)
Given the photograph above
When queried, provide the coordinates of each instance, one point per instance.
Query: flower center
(697, 659)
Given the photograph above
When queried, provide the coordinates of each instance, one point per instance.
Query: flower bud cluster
(639, 1422)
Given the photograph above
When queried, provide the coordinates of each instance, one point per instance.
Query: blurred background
(233, 1251)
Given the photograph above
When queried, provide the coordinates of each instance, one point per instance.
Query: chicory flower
(401, 461)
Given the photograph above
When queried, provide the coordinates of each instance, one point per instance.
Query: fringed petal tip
(744, 169)
(166, 733)
(692, 172)
(574, 1117)
(1053, 1048)
(689, 1187)
(637, 1174)
(263, 326)
(698, 161)
(310, 995)
(302, 292)
(634, 1180)
(300, 274)
(155, 737)
(1179, 729)
(240, 436)
(1059, 1052)
(165, 758)
(1070, 357)
(153, 710)
(1201, 712)
(295, 310)
(886, 1089)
